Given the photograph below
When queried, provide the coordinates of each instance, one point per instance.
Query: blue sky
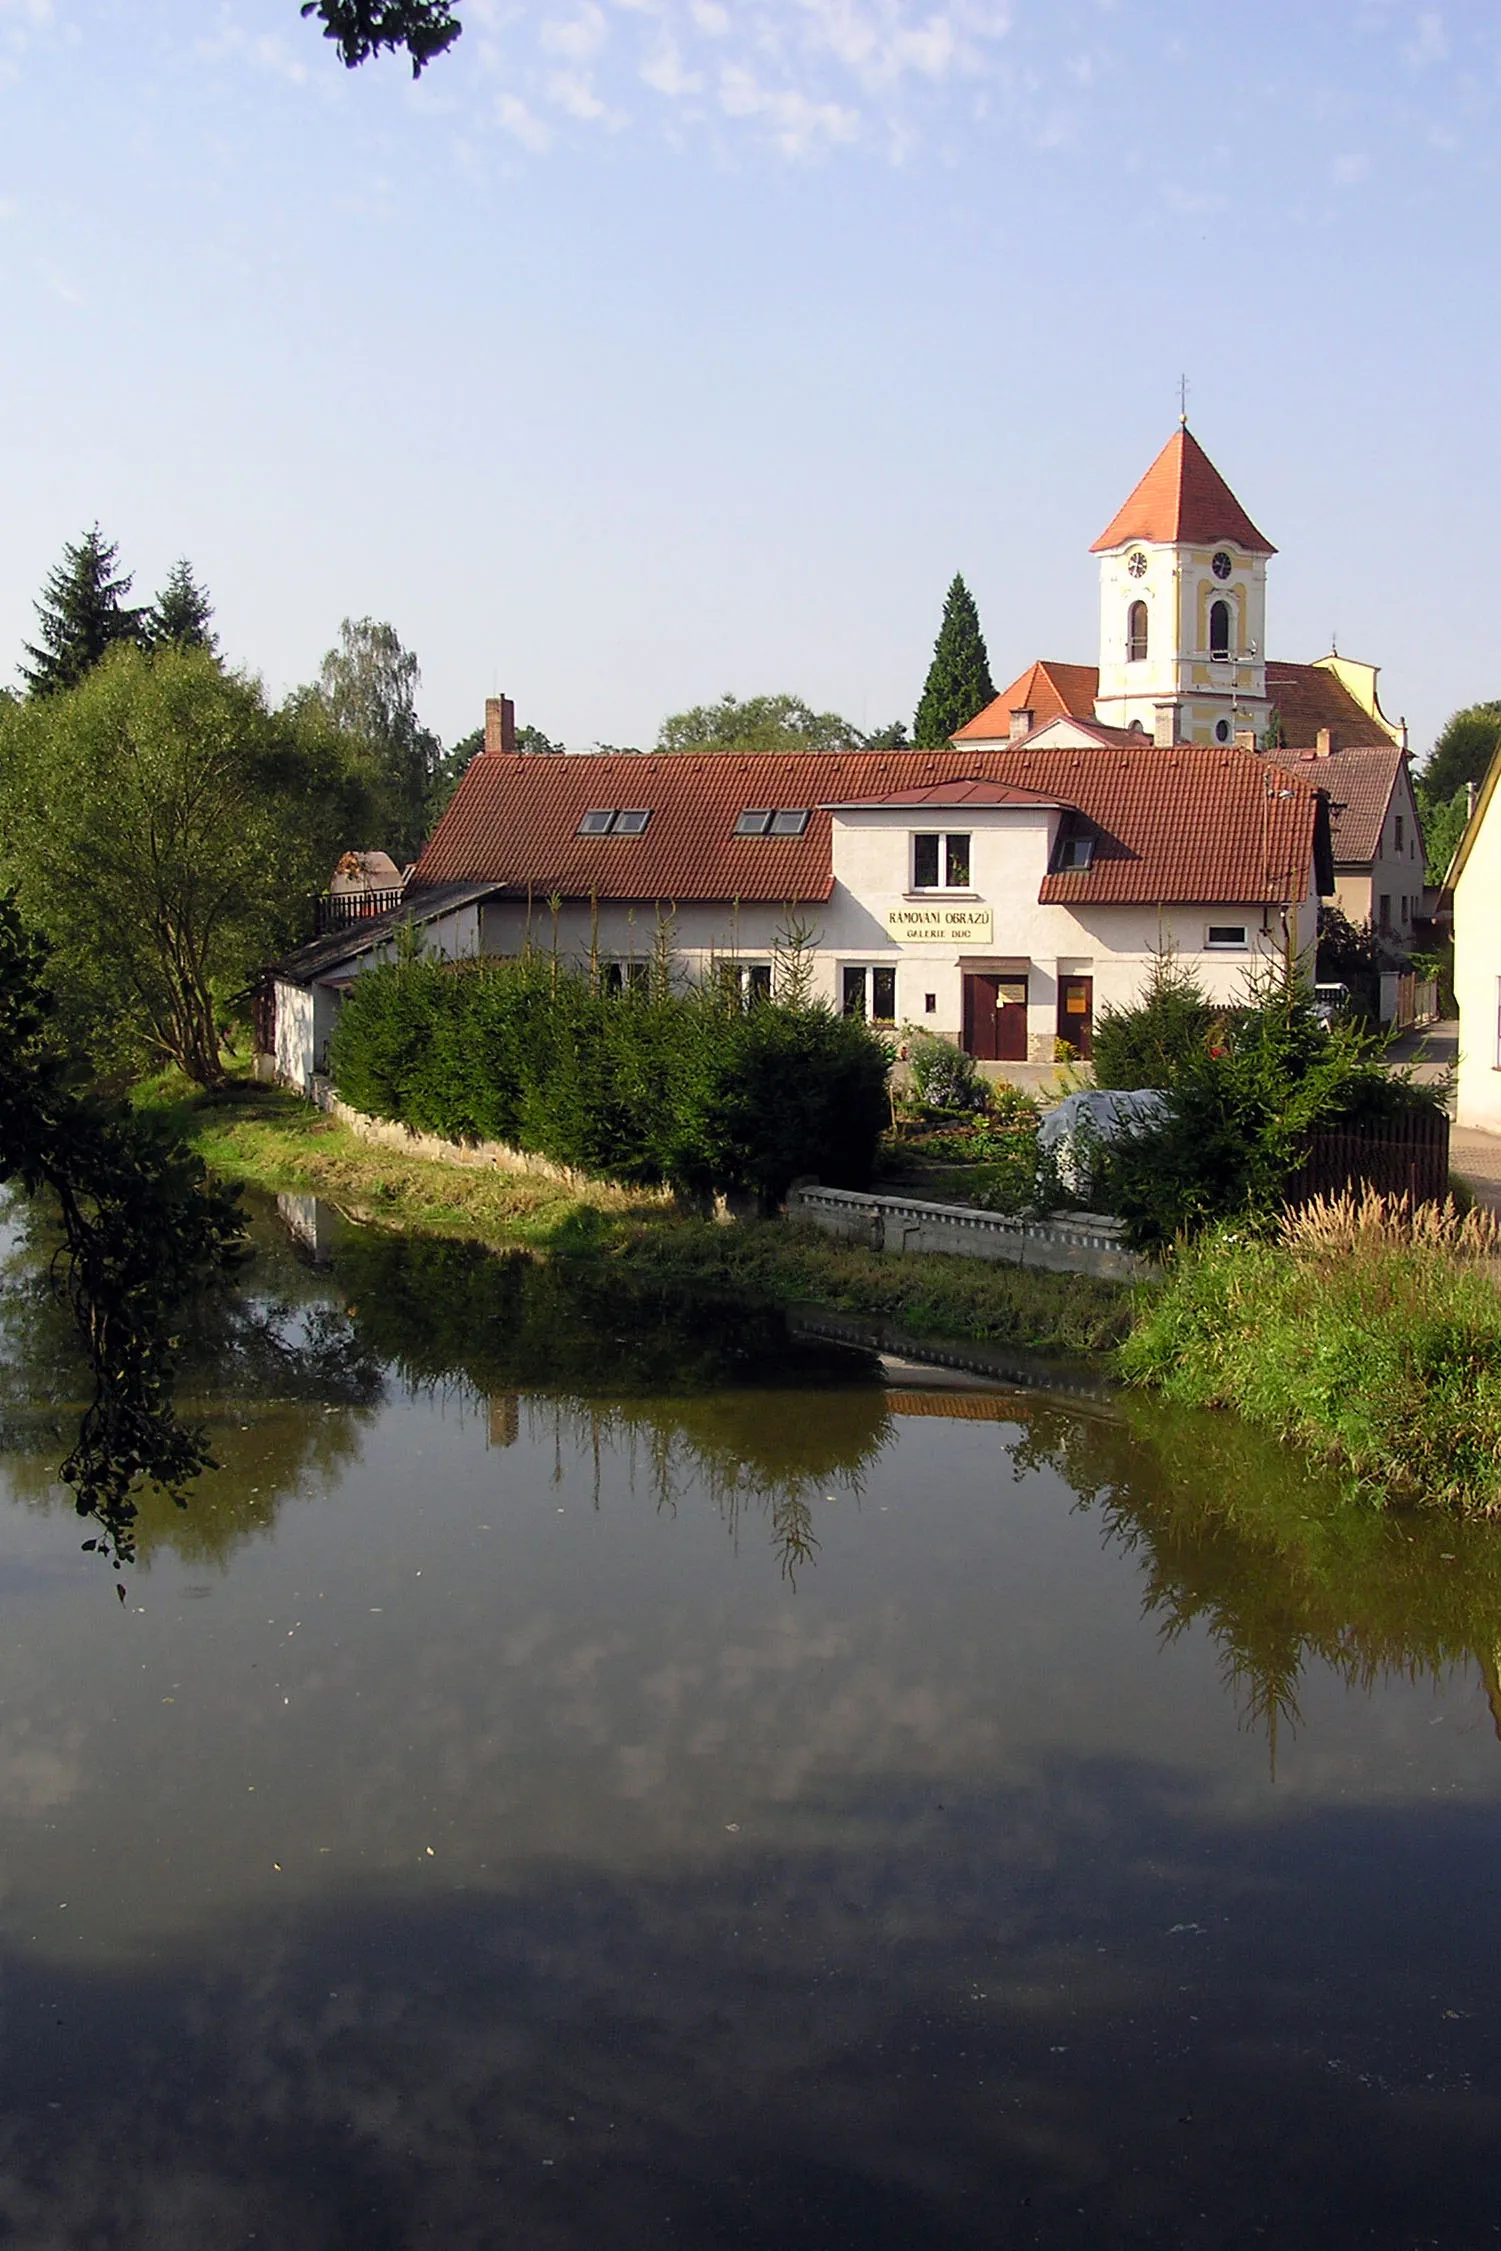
(647, 349)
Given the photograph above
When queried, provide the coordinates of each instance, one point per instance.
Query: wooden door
(1011, 1020)
(980, 1014)
(995, 1017)
(1076, 1013)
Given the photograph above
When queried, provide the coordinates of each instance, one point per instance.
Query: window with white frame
(747, 982)
(624, 976)
(1225, 938)
(870, 992)
(940, 863)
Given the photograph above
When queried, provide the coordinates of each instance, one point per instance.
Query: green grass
(1385, 1360)
(270, 1140)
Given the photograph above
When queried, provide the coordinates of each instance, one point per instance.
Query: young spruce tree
(959, 682)
(180, 616)
(83, 614)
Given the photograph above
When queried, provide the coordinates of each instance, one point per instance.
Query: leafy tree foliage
(163, 831)
(141, 1227)
(1444, 823)
(83, 614)
(958, 683)
(758, 723)
(180, 616)
(362, 28)
(1463, 751)
(366, 691)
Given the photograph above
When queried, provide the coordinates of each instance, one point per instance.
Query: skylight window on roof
(790, 822)
(754, 821)
(632, 822)
(598, 821)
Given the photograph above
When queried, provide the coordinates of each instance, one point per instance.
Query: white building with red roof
(1000, 891)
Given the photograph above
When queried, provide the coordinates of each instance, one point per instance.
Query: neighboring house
(299, 997)
(998, 897)
(1377, 832)
(1475, 878)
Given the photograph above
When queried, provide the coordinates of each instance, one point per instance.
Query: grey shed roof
(305, 965)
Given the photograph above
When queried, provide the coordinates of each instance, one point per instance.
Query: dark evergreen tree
(83, 614)
(958, 683)
(179, 617)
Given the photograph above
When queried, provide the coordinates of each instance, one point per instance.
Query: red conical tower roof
(1183, 497)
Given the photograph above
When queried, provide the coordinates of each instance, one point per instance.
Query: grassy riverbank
(1372, 1339)
(271, 1141)
(1377, 1351)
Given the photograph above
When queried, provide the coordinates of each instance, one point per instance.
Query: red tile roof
(1306, 698)
(950, 796)
(1360, 782)
(1183, 497)
(1047, 689)
(1184, 825)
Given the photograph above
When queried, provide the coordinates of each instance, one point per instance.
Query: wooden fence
(1401, 1156)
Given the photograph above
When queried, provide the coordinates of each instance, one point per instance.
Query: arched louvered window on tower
(1219, 629)
(1136, 633)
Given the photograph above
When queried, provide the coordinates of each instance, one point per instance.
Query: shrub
(1241, 1116)
(635, 1087)
(1151, 1044)
(944, 1076)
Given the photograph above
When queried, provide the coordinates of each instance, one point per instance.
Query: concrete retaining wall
(1063, 1242)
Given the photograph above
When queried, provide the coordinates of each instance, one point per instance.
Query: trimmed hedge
(689, 1089)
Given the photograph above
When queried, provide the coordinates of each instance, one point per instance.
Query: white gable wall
(1010, 850)
(1477, 973)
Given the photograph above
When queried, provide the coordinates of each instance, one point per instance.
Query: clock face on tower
(1137, 564)
(1221, 566)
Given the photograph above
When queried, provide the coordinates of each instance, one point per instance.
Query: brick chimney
(500, 726)
(1325, 742)
(1245, 738)
(1164, 725)
(1021, 723)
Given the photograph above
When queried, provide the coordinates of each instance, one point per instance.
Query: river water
(594, 1771)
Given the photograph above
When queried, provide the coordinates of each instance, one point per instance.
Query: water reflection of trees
(716, 1397)
(280, 1379)
(1272, 1557)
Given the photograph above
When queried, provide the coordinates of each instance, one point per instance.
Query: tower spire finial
(1183, 402)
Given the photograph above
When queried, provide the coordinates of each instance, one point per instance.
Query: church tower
(1183, 606)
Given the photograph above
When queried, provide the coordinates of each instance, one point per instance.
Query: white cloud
(1350, 171)
(666, 73)
(579, 37)
(800, 75)
(573, 93)
(1430, 42)
(516, 119)
(799, 127)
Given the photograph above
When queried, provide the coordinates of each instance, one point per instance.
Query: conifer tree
(958, 683)
(83, 614)
(179, 617)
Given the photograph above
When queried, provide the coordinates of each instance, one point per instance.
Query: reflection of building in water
(954, 1406)
(505, 1418)
(310, 1222)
